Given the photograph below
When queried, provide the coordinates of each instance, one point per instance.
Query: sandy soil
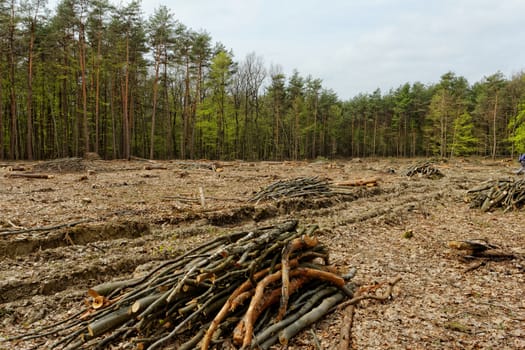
(96, 221)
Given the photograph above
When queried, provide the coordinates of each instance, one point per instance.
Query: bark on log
(473, 247)
(109, 322)
(252, 311)
(346, 336)
(296, 244)
(16, 168)
(30, 176)
(269, 335)
(107, 288)
(256, 305)
(155, 167)
(227, 305)
(239, 333)
(358, 182)
(310, 317)
(141, 304)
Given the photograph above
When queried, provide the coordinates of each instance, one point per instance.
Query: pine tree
(464, 142)
(517, 124)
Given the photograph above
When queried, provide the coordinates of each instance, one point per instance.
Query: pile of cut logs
(252, 289)
(299, 187)
(424, 169)
(305, 187)
(73, 164)
(508, 194)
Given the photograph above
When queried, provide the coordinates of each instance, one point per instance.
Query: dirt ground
(96, 221)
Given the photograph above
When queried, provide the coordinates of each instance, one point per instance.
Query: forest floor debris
(298, 187)
(508, 194)
(435, 305)
(424, 168)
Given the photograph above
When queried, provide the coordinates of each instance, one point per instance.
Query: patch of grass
(166, 249)
(457, 327)
(408, 234)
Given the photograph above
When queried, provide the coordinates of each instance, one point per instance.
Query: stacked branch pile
(73, 164)
(307, 187)
(508, 194)
(424, 169)
(299, 187)
(252, 289)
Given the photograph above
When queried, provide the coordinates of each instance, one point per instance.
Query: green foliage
(464, 142)
(517, 126)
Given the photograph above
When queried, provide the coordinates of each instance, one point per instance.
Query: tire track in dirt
(393, 203)
(48, 271)
(78, 235)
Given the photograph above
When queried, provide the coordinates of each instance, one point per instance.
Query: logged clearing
(71, 224)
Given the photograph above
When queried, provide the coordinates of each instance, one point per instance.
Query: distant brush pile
(424, 169)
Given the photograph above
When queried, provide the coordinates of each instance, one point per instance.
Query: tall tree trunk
(114, 92)
(406, 139)
(154, 109)
(494, 114)
(297, 132)
(237, 107)
(82, 59)
(314, 132)
(194, 106)
(276, 140)
(167, 110)
(13, 127)
(29, 135)
(132, 124)
(365, 136)
(443, 122)
(353, 134)
(221, 126)
(186, 112)
(125, 93)
(64, 118)
(97, 94)
(245, 146)
(374, 138)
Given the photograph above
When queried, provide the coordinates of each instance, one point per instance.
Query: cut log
(107, 288)
(109, 322)
(358, 182)
(155, 167)
(201, 195)
(30, 176)
(471, 246)
(268, 336)
(296, 244)
(141, 304)
(310, 317)
(478, 248)
(16, 168)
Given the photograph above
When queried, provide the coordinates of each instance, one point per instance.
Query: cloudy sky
(357, 46)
